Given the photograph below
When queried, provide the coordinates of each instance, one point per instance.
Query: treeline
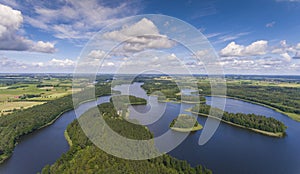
(125, 100)
(254, 121)
(167, 87)
(84, 157)
(25, 96)
(16, 87)
(13, 126)
(170, 90)
(286, 99)
(184, 121)
(192, 98)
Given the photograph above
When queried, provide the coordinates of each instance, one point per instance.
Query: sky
(249, 37)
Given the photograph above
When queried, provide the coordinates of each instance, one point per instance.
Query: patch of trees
(16, 87)
(84, 157)
(25, 96)
(125, 100)
(184, 121)
(286, 99)
(44, 85)
(167, 87)
(193, 98)
(254, 121)
(18, 123)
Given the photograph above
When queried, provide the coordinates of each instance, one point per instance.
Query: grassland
(19, 94)
(9, 107)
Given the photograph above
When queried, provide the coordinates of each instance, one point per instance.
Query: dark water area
(44, 146)
(236, 150)
(231, 150)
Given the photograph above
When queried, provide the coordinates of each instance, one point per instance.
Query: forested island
(258, 123)
(185, 123)
(125, 100)
(85, 157)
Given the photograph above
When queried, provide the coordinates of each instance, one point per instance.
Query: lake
(231, 149)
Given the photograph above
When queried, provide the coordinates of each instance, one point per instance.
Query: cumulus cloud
(255, 48)
(53, 65)
(286, 56)
(75, 19)
(140, 36)
(10, 23)
(285, 49)
(96, 54)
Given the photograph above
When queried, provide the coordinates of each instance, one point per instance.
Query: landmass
(185, 123)
(85, 157)
(257, 123)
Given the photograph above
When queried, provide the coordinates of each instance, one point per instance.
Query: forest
(84, 157)
(22, 122)
(184, 121)
(254, 121)
(284, 99)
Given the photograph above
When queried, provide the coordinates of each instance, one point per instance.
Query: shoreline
(67, 137)
(272, 134)
(186, 130)
(293, 116)
(6, 157)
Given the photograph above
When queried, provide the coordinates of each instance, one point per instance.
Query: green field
(17, 93)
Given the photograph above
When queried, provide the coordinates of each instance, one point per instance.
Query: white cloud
(232, 49)
(286, 56)
(96, 54)
(61, 63)
(285, 50)
(139, 36)
(271, 24)
(10, 22)
(255, 48)
(53, 65)
(46, 47)
(211, 35)
(76, 19)
(230, 37)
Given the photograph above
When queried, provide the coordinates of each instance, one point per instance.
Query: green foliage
(16, 87)
(184, 121)
(84, 157)
(260, 122)
(167, 87)
(286, 99)
(19, 123)
(122, 101)
(25, 96)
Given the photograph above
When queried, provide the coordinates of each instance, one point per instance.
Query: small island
(257, 123)
(121, 103)
(184, 122)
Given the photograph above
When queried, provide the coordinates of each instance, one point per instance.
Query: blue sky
(250, 37)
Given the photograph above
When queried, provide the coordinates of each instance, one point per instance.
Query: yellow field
(8, 107)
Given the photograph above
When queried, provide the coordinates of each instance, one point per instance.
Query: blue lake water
(231, 150)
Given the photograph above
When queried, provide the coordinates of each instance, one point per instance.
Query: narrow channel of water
(44, 146)
(231, 149)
